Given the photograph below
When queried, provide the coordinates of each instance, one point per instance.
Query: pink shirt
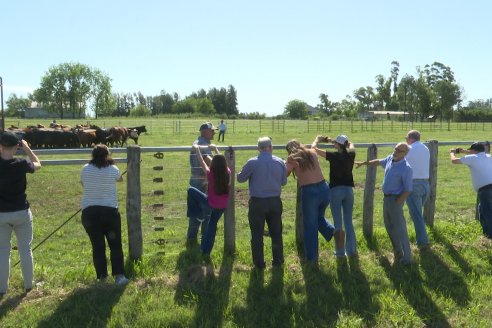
(214, 200)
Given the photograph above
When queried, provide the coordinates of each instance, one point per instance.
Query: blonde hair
(300, 154)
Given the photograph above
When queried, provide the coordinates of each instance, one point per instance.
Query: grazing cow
(86, 137)
(118, 135)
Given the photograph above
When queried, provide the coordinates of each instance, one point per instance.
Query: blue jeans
(415, 203)
(315, 199)
(208, 239)
(396, 227)
(485, 211)
(342, 205)
(198, 212)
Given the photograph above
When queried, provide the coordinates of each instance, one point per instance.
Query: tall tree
(231, 101)
(296, 109)
(365, 97)
(406, 95)
(70, 87)
(16, 105)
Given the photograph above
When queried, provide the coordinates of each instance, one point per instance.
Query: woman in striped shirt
(100, 216)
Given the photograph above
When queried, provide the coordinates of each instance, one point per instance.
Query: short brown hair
(101, 157)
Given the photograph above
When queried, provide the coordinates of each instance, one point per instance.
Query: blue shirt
(198, 178)
(397, 176)
(266, 173)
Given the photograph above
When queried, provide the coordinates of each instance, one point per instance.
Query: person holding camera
(15, 213)
(480, 165)
(342, 194)
(397, 186)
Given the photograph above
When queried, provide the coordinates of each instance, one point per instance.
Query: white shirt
(480, 168)
(99, 186)
(419, 158)
(222, 127)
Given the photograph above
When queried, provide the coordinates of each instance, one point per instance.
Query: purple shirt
(266, 174)
(397, 176)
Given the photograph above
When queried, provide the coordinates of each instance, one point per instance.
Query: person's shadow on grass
(198, 284)
(9, 303)
(442, 279)
(266, 306)
(455, 255)
(86, 307)
(357, 295)
(406, 280)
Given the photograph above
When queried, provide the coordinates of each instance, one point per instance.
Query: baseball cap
(341, 139)
(9, 139)
(477, 146)
(207, 125)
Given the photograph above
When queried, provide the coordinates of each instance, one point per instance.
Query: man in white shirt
(222, 130)
(419, 158)
(480, 165)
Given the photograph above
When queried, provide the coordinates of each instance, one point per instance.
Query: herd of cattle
(63, 136)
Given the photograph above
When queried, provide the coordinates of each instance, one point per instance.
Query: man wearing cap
(198, 178)
(15, 214)
(397, 186)
(419, 158)
(266, 175)
(480, 165)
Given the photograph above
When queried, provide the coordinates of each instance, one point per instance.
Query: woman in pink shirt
(315, 196)
(213, 204)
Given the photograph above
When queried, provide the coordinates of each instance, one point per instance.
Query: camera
(325, 139)
(457, 150)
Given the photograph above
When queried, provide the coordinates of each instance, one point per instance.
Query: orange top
(309, 176)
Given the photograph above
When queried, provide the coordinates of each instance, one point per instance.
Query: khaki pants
(21, 223)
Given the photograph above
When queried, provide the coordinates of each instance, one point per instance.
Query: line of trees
(433, 91)
(216, 101)
(76, 90)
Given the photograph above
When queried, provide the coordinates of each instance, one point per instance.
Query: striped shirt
(99, 186)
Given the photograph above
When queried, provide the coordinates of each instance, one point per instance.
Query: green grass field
(448, 286)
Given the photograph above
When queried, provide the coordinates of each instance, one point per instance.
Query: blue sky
(271, 51)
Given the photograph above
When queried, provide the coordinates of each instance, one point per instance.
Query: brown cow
(86, 137)
(118, 135)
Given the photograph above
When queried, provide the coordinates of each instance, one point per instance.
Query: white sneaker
(120, 280)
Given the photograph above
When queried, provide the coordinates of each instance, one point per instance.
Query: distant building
(312, 110)
(36, 111)
(383, 115)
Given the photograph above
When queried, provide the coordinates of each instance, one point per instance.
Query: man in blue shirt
(397, 186)
(199, 180)
(266, 175)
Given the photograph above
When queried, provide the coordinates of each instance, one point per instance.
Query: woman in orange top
(315, 196)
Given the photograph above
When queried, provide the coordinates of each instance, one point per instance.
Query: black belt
(485, 187)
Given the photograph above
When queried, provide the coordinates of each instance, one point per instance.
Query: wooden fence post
(230, 212)
(430, 205)
(133, 204)
(368, 210)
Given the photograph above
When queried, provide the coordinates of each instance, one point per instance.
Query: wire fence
(266, 126)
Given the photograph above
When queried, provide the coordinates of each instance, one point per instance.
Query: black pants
(267, 210)
(221, 133)
(100, 223)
